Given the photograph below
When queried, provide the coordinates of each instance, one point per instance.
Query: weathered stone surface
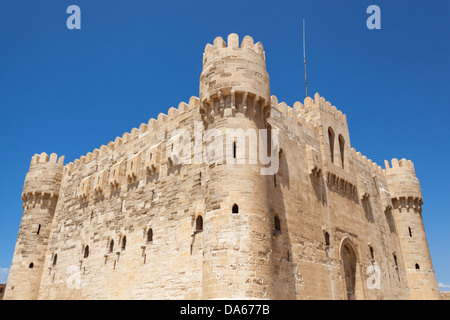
(317, 229)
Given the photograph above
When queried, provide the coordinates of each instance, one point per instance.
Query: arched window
(342, 149)
(327, 238)
(124, 242)
(235, 208)
(277, 224)
(86, 251)
(55, 259)
(199, 224)
(410, 233)
(150, 235)
(371, 252)
(111, 246)
(417, 266)
(331, 141)
(31, 266)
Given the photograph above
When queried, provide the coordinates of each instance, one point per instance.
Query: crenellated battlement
(43, 178)
(44, 158)
(219, 45)
(396, 165)
(128, 137)
(295, 117)
(366, 163)
(402, 180)
(324, 105)
(300, 111)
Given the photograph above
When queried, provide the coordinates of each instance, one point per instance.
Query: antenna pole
(304, 59)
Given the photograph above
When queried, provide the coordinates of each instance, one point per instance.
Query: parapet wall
(294, 118)
(150, 129)
(44, 175)
(402, 180)
(324, 105)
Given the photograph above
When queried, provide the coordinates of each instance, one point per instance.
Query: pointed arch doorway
(349, 261)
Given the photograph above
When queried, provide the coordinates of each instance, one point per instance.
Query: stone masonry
(129, 221)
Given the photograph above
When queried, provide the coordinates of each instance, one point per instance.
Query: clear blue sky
(70, 91)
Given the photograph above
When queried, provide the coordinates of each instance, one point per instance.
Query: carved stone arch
(351, 271)
(347, 241)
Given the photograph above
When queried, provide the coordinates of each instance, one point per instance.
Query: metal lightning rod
(304, 59)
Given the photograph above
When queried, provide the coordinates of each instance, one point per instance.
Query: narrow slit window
(331, 141)
(342, 149)
(371, 252)
(124, 243)
(55, 259)
(199, 224)
(327, 239)
(277, 224)
(111, 246)
(86, 251)
(38, 230)
(234, 149)
(410, 232)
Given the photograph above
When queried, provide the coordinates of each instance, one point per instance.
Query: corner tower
(407, 203)
(40, 196)
(235, 94)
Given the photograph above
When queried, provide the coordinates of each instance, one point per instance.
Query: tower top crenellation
(219, 46)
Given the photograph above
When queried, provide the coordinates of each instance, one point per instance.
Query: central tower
(235, 96)
(234, 79)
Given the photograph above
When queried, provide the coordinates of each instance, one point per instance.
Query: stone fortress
(126, 222)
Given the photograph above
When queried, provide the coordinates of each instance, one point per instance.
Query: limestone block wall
(348, 204)
(165, 198)
(129, 221)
